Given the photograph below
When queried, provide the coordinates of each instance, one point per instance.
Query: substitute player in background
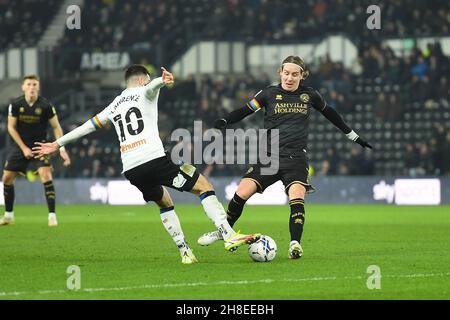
(134, 114)
(287, 107)
(28, 119)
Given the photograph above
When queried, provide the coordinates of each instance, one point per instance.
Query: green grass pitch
(124, 252)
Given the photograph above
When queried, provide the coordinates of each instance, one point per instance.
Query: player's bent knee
(202, 185)
(297, 190)
(155, 194)
(8, 177)
(165, 201)
(246, 189)
(45, 175)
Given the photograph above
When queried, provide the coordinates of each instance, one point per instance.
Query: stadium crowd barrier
(330, 190)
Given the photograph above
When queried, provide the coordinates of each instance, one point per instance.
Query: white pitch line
(218, 283)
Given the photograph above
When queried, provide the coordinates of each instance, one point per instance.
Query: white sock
(9, 215)
(214, 210)
(172, 224)
(52, 215)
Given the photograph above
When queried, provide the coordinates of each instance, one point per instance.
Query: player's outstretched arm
(354, 137)
(89, 126)
(251, 107)
(43, 149)
(233, 117)
(151, 89)
(337, 120)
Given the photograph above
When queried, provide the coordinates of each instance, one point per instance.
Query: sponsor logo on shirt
(304, 97)
(29, 119)
(130, 146)
(291, 108)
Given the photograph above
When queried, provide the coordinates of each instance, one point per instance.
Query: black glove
(220, 124)
(363, 143)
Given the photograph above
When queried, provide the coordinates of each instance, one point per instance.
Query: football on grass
(263, 250)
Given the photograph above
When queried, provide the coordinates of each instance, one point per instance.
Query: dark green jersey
(32, 121)
(288, 112)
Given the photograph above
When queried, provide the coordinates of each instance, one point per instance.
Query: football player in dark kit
(287, 107)
(28, 120)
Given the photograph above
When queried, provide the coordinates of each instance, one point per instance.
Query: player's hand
(43, 149)
(27, 153)
(363, 143)
(63, 153)
(220, 124)
(167, 76)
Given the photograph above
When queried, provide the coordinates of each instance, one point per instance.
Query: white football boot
(52, 222)
(7, 221)
(209, 238)
(187, 256)
(295, 250)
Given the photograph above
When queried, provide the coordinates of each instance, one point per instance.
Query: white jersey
(134, 114)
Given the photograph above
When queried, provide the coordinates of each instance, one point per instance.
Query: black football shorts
(17, 162)
(149, 177)
(292, 169)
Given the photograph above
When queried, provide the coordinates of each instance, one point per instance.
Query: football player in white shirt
(134, 114)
